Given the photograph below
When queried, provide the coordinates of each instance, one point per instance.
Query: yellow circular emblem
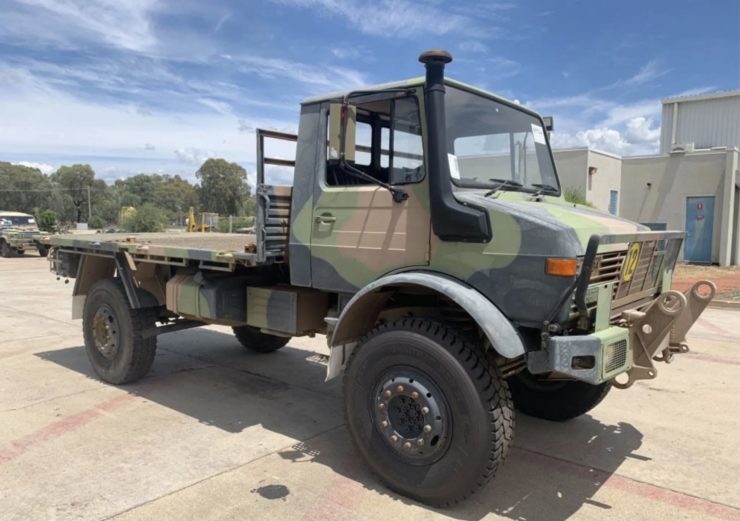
(630, 263)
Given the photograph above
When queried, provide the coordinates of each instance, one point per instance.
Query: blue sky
(134, 86)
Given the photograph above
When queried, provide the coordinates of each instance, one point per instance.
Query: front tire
(255, 340)
(426, 411)
(555, 400)
(5, 249)
(43, 250)
(114, 344)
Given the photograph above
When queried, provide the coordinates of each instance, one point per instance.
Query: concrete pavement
(215, 432)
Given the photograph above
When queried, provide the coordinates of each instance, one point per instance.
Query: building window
(613, 201)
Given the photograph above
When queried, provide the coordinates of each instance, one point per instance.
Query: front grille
(642, 286)
(615, 356)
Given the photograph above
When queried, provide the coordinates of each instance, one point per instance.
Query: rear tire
(5, 249)
(417, 379)
(43, 250)
(255, 340)
(113, 331)
(555, 401)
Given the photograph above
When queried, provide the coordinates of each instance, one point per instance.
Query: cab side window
(382, 139)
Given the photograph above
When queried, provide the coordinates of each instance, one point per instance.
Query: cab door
(359, 232)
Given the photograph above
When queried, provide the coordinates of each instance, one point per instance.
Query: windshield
(491, 144)
(7, 220)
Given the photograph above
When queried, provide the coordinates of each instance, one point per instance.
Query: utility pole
(89, 204)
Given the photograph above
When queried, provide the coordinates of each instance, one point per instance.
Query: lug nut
(420, 442)
(394, 438)
(384, 424)
(387, 394)
(425, 410)
(427, 428)
(414, 395)
(381, 406)
(399, 389)
(407, 445)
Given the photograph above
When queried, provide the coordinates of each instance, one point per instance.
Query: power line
(52, 189)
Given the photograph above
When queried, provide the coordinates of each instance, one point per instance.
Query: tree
(74, 181)
(223, 186)
(175, 195)
(23, 189)
(146, 218)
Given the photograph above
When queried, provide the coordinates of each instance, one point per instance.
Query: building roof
(14, 214)
(701, 97)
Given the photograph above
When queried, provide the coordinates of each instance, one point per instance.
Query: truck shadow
(552, 472)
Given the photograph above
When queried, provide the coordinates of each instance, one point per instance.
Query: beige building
(593, 173)
(693, 191)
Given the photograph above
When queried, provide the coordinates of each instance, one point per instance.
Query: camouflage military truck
(19, 234)
(426, 236)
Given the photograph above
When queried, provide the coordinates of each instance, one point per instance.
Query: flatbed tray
(215, 249)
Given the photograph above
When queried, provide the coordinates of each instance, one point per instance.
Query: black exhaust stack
(451, 220)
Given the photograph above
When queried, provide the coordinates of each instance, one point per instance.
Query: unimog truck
(426, 235)
(19, 234)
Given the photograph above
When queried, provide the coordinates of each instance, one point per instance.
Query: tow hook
(662, 328)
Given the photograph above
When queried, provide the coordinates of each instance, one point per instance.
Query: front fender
(361, 312)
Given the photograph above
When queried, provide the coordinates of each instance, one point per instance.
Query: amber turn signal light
(561, 267)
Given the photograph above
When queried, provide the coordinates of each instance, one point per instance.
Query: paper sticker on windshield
(538, 134)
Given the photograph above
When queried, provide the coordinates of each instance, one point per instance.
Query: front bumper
(593, 358)
(641, 337)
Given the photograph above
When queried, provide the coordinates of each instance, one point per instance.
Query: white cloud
(45, 168)
(123, 24)
(473, 46)
(40, 117)
(193, 155)
(327, 76)
(647, 73)
(638, 136)
(640, 130)
(392, 17)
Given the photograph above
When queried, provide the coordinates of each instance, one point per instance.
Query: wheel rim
(412, 415)
(105, 332)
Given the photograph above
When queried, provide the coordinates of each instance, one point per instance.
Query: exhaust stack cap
(435, 55)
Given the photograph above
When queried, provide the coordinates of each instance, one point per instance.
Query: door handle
(325, 219)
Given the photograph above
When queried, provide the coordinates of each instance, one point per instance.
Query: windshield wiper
(543, 188)
(503, 183)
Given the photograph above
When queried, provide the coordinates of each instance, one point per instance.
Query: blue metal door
(699, 226)
(613, 199)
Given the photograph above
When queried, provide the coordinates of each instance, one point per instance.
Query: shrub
(146, 218)
(95, 222)
(575, 196)
(47, 220)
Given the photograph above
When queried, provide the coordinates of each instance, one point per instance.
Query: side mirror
(549, 123)
(342, 123)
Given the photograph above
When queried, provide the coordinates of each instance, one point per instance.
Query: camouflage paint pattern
(367, 235)
(287, 310)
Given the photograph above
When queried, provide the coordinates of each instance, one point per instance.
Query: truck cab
(19, 233)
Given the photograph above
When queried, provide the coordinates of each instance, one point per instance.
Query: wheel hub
(411, 414)
(105, 332)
